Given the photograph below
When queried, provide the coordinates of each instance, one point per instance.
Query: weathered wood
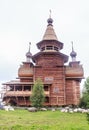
(61, 82)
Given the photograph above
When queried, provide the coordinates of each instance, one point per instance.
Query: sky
(24, 21)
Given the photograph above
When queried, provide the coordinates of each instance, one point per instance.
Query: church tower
(49, 66)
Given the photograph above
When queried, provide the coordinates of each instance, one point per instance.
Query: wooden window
(47, 99)
(49, 47)
(45, 88)
(27, 88)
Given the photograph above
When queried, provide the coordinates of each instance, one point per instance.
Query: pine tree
(37, 98)
(84, 102)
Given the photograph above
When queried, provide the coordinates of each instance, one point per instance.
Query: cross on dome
(50, 20)
(28, 54)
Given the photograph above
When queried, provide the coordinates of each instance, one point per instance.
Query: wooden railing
(21, 93)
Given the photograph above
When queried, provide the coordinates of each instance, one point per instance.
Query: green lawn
(48, 120)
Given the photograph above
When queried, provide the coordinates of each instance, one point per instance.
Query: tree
(84, 102)
(37, 98)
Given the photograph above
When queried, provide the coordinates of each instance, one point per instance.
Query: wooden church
(61, 82)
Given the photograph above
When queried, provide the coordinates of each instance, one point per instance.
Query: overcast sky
(24, 21)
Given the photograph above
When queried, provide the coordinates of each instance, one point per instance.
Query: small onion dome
(73, 54)
(50, 21)
(29, 54)
(25, 70)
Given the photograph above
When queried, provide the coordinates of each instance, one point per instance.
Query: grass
(48, 120)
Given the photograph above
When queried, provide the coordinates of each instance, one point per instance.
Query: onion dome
(50, 21)
(29, 54)
(73, 54)
(25, 70)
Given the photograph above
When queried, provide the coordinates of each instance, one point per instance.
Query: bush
(37, 98)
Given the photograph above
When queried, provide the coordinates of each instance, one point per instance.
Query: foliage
(37, 98)
(84, 102)
(87, 114)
